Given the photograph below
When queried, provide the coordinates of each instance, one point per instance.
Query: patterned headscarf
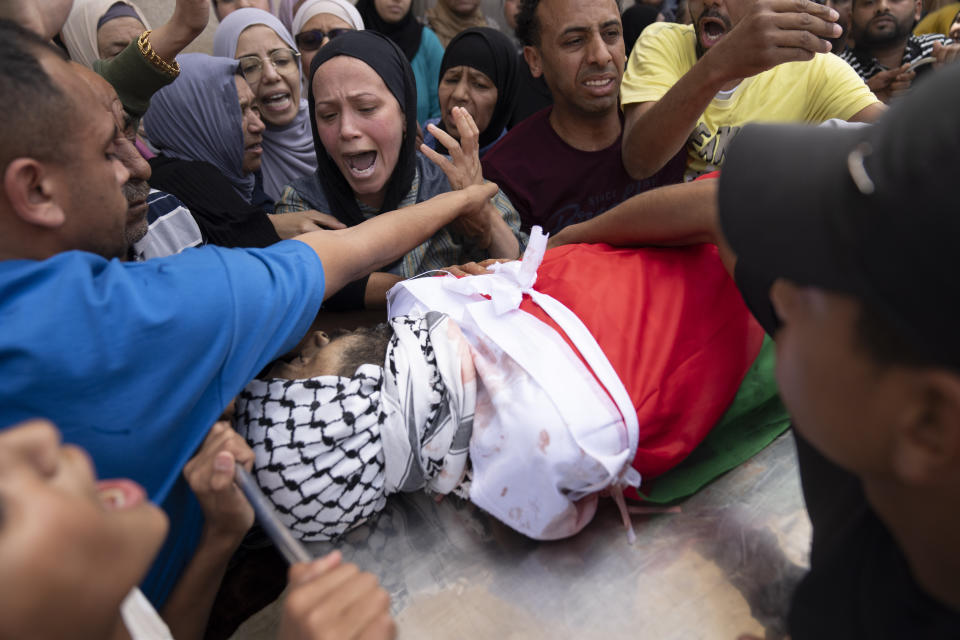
(328, 450)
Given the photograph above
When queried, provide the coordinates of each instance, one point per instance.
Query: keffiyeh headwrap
(429, 396)
(328, 450)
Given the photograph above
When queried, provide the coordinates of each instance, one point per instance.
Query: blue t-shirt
(135, 361)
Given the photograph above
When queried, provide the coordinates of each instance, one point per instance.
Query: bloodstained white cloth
(548, 433)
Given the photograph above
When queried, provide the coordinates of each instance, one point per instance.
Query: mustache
(711, 12)
(136, 190)
(885, 14)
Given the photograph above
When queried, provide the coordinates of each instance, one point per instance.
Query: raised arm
(773, 32)
(351, 253)
(463, 168)
(187, 22)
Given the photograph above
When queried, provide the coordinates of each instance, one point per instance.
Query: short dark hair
(37, 114)
(885, 343)
(369, 348)
(528, 25)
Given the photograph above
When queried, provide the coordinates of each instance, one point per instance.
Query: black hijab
(406, 32)
(491, 52)
(386, 59)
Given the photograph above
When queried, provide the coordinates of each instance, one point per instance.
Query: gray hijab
(197, 117)
(288, 151)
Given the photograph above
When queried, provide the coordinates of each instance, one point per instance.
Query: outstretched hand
(474, 268)
(774, 32)
(291, 225)
(462, 168)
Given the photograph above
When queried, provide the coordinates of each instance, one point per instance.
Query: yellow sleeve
(663, 53)
(938, 21)
(838, 92)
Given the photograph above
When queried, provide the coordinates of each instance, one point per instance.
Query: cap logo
(858, 172)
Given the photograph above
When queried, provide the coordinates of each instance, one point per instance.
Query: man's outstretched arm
(671, 216)
(349, 254)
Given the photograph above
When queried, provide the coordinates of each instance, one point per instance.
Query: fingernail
(222, 463)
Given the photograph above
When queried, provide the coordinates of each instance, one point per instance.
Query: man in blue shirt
(135, 361)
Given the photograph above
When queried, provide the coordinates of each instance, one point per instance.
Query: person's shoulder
(668, 33)
(518, 139)
(310, 190)
(827, 64)
(926, 40)
(164, 166)
(430, 39)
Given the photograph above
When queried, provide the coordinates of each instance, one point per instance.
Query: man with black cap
(851, 269)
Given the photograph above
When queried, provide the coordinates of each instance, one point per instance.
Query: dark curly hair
(369, 347)
(528, 25)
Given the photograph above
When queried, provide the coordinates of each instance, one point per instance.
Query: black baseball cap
(870, 211)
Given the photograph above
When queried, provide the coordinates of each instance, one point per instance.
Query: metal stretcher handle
(291, 548)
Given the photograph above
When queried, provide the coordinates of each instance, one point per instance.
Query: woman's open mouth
(276, 102)
(362, 164)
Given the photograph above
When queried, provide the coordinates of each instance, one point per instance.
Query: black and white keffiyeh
(429, 398)
(317, 451)
(328, 450)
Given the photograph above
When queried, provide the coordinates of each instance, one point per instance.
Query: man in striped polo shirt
(885, 53)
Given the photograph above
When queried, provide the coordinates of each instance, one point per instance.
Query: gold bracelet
(143, 42)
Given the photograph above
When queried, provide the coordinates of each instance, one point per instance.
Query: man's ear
(927, 444)
(917, 12)
(532, 56)
(29, 188)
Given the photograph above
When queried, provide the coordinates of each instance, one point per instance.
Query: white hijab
(340, 8)
(80, 31)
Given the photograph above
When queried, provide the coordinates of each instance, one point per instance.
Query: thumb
(490, 188)
(223, 470)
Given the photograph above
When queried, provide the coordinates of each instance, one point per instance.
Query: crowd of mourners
(718, 180)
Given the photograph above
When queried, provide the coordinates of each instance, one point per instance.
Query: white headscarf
(80, 31)
(340, 8)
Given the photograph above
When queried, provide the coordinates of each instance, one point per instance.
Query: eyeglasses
(285, 61)
(313, 39)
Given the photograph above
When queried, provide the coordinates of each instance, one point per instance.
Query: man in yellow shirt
(741, 61)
